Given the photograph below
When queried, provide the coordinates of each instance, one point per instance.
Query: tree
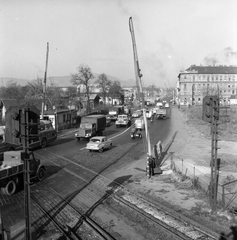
(12, 91)
(115, 90)
(53, 92)
(83, 77)
(104, 84)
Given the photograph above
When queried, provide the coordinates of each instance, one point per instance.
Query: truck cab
(91, 125)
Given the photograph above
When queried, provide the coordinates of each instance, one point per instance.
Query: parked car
(99, 144)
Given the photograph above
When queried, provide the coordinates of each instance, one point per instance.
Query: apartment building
(198, 81)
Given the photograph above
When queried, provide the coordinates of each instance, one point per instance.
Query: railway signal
(210, 114)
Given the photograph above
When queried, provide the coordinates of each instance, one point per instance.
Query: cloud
(226, 56)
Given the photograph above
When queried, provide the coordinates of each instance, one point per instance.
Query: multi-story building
(198, 81)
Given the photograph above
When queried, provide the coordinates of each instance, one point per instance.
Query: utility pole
(139, 81)
(45, 77)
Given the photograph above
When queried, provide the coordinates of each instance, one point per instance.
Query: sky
(170, 36)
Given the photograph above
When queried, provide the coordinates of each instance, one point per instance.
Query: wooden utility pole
(44, 85)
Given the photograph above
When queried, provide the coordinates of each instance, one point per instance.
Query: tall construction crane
(138, 76)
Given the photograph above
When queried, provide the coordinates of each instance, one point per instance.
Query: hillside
(64, 81)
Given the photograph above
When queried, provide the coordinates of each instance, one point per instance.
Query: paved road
(69, 164)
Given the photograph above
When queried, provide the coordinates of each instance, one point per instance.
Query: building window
(185, 77)
(233, 77)
(216, 77)
(228, 86)
(193, 77)
(229, 78)
(64, 118)
(220, 91)
(212, 78)
(220, 77)
(204, 77)
(225, 77)
(233, 91)
(233, 86)
(199, 85)
(208, 77)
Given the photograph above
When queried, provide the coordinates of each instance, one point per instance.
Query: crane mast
(138, 76)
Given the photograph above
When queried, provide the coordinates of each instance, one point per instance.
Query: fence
(226, 198)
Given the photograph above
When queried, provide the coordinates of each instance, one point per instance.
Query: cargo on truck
(41, 134)
(91, 125)
(12, 170)
(115, 111)
(161, 112)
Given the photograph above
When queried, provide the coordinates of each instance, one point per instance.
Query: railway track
(51, 203)
(175, 226)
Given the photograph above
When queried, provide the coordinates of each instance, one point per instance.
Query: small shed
(61, 118)
(94, 101)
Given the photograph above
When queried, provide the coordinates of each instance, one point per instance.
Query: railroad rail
(177, 226)
(72, 215)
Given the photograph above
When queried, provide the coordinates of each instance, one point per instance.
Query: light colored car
(135, 114)
(99, 144)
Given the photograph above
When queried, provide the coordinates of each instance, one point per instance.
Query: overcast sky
(170, 35)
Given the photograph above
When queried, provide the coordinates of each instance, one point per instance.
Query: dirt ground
(178, 193)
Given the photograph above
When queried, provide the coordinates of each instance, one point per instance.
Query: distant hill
(65, 81)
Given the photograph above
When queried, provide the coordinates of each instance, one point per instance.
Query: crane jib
(138, 76)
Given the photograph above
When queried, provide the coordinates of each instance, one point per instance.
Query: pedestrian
(159, 149)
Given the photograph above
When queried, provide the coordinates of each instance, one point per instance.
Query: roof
(93, 96)
(221, 69)
(9, 102)
(98, 137)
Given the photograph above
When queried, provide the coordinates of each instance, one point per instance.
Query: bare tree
(115, 90)
(83, 77)
(35, 90)
(104, 84)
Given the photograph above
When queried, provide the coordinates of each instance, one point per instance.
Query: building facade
(196, 82)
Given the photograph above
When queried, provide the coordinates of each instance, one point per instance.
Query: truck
(41, 133)
(12, 170)
(123, 120)
(161, 112)
(91, 125)
(115, 111)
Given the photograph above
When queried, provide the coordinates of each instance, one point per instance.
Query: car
(136, 114)
(99, 143)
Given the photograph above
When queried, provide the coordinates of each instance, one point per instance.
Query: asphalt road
(70, 167)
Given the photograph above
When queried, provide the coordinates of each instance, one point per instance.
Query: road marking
(114, 136)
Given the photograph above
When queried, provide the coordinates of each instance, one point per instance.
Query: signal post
(210, 114)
